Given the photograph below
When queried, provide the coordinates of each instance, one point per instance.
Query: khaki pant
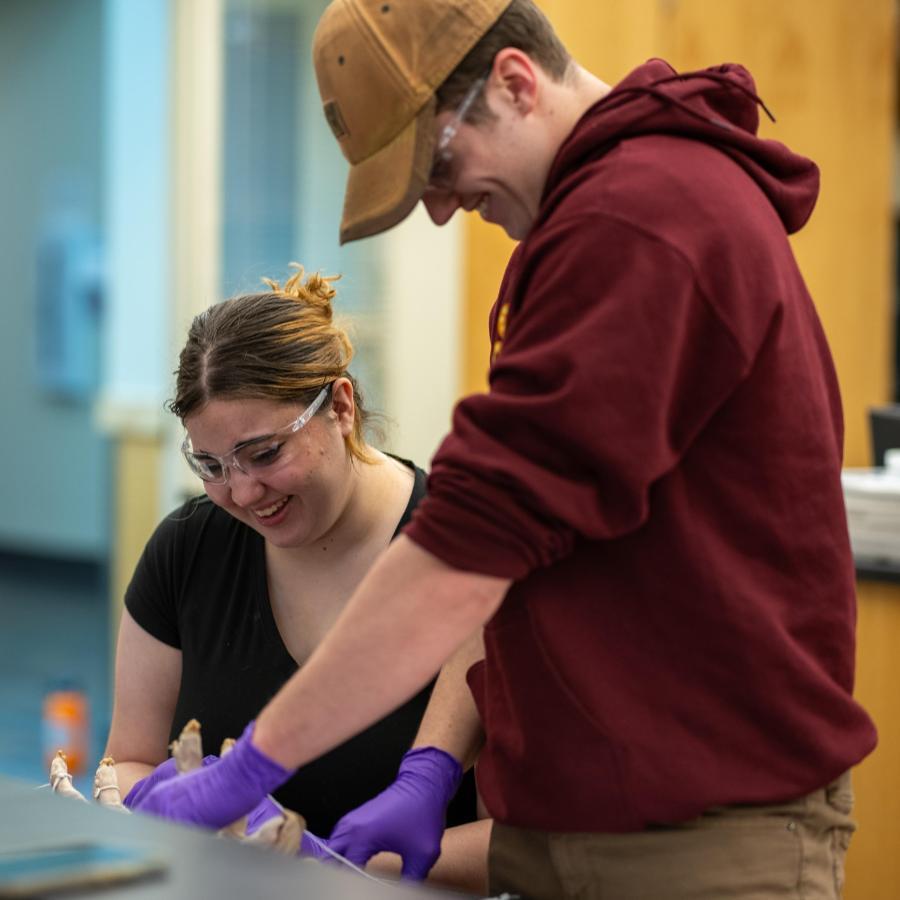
(794, 850)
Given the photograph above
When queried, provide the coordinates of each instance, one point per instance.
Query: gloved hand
(220, 793)
(266, 809)
(163, 772)
(406, 818)
(313, 846)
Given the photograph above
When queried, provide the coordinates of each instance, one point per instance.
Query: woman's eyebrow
(254, 440)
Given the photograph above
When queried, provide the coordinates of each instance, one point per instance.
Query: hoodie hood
(718, 106)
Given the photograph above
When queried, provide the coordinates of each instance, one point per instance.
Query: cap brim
(384, 189)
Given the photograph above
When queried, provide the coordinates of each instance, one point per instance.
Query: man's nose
(440, 205)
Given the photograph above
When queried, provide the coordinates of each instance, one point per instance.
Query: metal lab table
(199, 865)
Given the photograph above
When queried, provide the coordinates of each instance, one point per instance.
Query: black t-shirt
(200, 586)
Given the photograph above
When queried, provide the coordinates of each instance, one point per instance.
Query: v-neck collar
(261, 581)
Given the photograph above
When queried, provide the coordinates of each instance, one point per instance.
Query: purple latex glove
(266, 809)
(406, 818)
(313, 846)
(221, 793)
(163, 772)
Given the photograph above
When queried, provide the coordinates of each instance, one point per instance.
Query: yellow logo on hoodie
(500, 331)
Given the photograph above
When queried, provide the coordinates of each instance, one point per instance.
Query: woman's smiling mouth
(268, 513)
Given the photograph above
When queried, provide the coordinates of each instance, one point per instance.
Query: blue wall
(54, 466)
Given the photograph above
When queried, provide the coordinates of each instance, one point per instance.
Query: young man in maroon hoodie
(645, 509)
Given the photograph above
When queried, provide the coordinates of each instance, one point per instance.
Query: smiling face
(483, 175)
(497, 166)
(298, 497)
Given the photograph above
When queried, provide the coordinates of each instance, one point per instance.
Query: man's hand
(219, 793)
(314, 847)
(406, 818)
(163, 772)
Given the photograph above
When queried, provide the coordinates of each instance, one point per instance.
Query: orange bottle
(66, 727)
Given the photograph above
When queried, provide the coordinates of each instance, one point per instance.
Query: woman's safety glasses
(252, 456)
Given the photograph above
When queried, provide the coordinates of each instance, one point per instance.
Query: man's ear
(343, 405)
(518, 77)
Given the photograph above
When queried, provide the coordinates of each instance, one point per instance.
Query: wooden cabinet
(873, 865)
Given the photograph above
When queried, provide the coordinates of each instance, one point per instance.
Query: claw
(106, 785)
(188, 748)
(61, 780)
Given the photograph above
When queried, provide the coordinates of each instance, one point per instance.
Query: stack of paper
(872, 497)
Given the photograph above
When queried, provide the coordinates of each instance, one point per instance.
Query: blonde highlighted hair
(280, 345)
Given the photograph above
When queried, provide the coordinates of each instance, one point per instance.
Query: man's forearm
(409, 614)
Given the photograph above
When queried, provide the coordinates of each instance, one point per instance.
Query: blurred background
(157, 156)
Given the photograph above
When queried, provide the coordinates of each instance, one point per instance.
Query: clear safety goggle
(251, 456)
(441, 176)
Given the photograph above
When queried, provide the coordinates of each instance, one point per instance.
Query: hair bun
(316, 290)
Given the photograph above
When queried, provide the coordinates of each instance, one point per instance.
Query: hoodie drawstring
(653, 90)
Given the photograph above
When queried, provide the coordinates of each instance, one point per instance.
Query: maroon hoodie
(657, 466)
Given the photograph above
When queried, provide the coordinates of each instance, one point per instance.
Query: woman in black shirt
(234, 590)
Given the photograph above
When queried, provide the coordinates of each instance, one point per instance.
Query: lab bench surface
(197, 863)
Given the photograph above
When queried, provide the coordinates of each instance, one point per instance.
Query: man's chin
(515, 226)
(514, 229)
(516, 232)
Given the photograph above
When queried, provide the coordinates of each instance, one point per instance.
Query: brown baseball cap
(378, 63)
